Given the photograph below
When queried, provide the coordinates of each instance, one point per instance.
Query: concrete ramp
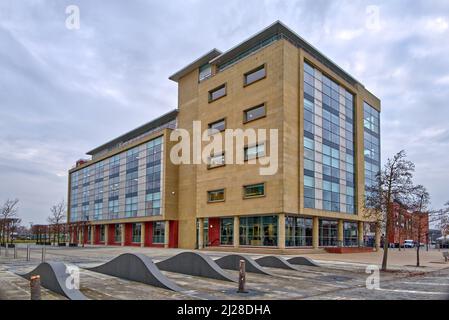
(195, 264)
(303, 261)
(136, 267)
(275, 262)
(55, 277)
(232, 262)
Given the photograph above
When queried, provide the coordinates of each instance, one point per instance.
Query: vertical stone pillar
(92, 234)
(106, 234)
(360, 234)
(340, 233)
(142, 234)
(281, 231)
(315, 233)
(122, 231)
(80, 240)
(167, 234)
(377, 236)
(236, 232)
(200, 233)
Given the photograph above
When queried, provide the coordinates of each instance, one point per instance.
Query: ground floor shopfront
(267, 231)
(143, 234)
(279, 231)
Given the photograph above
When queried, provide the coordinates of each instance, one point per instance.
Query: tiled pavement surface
(339, 277)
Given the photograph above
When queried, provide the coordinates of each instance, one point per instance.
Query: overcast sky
(63, 92)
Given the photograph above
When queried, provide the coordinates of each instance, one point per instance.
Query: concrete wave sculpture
(303, 261)
(55, 276)
(195, 264)
(136, 267)
(232, 262)
(275, 262)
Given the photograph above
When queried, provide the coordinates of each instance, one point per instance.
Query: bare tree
(57, 217)
(418, 204)
(393, 182)
(8, 212)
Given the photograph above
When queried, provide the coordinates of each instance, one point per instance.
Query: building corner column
(167, 234)
(281, 231)
(315, 233)
(122, 231)
(236, 232)
(360, 234)
(200, 233)
(106, 234)
(340, 233)
(142, 234)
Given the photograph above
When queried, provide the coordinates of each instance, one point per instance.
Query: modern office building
(327, 150)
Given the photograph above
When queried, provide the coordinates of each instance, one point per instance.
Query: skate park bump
(303, 261)
(195, 264)
(136, 267)
(54, 276)
(275, 262)
(232, 262)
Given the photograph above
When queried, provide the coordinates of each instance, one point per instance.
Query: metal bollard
(28, 252)
(43, 253)
(6, 249)
(15, 252)
(242, 277)
(35, 287)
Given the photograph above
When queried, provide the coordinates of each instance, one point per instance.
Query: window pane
(254, 190)
(255, 75)
(255, 113)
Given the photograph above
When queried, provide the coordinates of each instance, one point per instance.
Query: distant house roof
(167, 117)
(275, 29)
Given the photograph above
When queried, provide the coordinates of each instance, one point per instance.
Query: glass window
(118, 233)
(254, 190)
(131, 206)
(219, 125)
(350, 230)
(254, 75)
(217, 93)
(205, 72)
(298, 231)
(216, 195)
(158, 232)
(258, 231)
(328, 233)
(216, 161)
(254, 113)
(136, 232)
(226, 231)
(254, 152)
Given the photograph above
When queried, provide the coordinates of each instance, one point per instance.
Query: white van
(409, 244)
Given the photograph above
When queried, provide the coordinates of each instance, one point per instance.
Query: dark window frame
(215, 190)
(224, 85)
(209, 166)
(214, 122)
(255, 196)
(246, 74)
(245, 118)
(257, 145)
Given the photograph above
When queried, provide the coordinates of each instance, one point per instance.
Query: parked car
(409, 244)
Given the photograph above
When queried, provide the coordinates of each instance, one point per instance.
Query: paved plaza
(340, 276)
